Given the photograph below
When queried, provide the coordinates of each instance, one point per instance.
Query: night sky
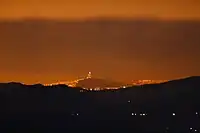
(122, 40)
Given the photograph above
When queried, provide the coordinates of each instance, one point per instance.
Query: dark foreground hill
(173, 106)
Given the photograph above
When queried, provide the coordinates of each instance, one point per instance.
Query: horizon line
(177, 78)
(99, 18)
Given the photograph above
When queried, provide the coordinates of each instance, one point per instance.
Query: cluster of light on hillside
(142, 82)
(75, 82)
(71, 83)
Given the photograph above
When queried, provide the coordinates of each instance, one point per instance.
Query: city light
(143, 82)
(74, 83)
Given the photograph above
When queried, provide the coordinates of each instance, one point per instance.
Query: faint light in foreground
(196, 113)
(133, 114)
(129, 101)
(190, 128)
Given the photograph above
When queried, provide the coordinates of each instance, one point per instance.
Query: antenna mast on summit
(89, 75)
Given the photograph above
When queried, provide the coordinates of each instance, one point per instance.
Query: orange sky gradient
(65, 9)
(46, 51)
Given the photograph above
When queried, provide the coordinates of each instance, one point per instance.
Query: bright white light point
(143, 114)
(129, 101)
(196, 113)
(132, 114)
(190, 128)
(77, 114)
(124, 86)
(89, 75)
(135, 114)
(173, 114)
(195, 130)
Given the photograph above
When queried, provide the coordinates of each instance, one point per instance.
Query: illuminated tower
(89, 75)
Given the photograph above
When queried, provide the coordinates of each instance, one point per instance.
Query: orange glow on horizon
(62, 49)
(63, 9)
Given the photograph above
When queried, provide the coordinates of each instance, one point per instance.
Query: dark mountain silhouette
(97, 82)
(54, 108)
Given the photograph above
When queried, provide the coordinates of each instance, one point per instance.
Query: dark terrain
(61, 108)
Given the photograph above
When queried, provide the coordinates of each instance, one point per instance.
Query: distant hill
(192, 82)
(96, 82)
(180, 91)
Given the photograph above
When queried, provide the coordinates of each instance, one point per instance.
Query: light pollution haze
(63, 9)
(60, 47)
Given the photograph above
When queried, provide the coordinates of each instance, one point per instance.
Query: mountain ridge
(189, 79)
